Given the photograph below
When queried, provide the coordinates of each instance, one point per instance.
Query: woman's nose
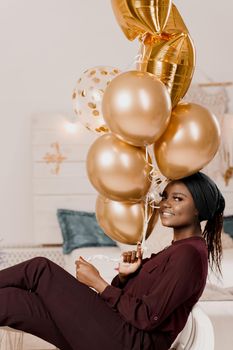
(165, 203)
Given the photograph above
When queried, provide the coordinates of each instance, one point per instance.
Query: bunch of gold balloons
(136, 108)
(192, 136)
(140, 108)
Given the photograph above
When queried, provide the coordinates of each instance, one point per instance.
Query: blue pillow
(80, 229)
(228, 225)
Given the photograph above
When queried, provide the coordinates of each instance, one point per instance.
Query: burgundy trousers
(39, 297)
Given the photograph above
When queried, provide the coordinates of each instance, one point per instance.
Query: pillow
(227, 241)
(228, 225)
(80, 229)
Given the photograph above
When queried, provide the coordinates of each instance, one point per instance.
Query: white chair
(198, 333)
(13, 339)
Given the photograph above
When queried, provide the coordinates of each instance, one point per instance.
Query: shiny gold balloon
(136, 107)
(171, 58)
(129, 24)
(189, 143)
(175, 22)
(153, 14)
(153, 216)
(118, 170)
(137, 17)
(122, 222)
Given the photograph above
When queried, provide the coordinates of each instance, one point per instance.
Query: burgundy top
(158, 298)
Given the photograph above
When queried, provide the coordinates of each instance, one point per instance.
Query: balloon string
(152, 198)
(146, 216)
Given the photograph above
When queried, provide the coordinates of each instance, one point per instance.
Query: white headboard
(59, 173)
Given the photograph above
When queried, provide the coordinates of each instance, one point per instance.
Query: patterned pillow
(80, 229)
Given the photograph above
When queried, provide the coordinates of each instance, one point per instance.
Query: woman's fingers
(133, 256)
(139, 250)
(130, 256)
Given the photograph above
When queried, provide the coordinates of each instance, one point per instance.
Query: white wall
(45, 46)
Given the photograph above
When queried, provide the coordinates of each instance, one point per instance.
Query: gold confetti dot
(74, 95)
(83, 93)
(79, 81)
(116, 71)
(103, 72)
(96, 80)
(91, 105)
(96, 113)
(102, 128)
(92, 72)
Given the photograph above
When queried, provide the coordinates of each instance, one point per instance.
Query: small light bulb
(71, 128)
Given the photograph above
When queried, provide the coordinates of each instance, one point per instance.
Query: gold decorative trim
(228, 175)
(56, 158)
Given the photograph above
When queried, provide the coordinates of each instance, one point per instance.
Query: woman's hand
(131, 262)
(87, 274)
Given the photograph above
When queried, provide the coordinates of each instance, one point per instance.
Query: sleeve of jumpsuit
(180, 280)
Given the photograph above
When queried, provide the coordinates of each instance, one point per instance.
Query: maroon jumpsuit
(39, 297)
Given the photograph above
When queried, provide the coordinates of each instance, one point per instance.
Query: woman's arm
(180, 280)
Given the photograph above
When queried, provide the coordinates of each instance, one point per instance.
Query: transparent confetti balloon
(87, 96)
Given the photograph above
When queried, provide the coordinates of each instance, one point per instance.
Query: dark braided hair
(212, 234)
(210, 204)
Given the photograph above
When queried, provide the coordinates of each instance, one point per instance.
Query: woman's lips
(167, 213)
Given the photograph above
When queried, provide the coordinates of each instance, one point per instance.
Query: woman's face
(177, 208)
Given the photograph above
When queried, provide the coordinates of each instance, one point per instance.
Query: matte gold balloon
(136, 107)
(137, 17)
(118, 170)
(189, 143)
(122, 222)
(171, 58)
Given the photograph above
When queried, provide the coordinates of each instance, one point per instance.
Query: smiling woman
(148, 302)
(177, 210)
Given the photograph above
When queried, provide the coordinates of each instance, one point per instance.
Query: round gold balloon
(136, 107)
(189, 143)
(118, 170)
(122, 222)
(137, 17)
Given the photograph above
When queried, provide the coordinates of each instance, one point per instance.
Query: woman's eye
(177, 199)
